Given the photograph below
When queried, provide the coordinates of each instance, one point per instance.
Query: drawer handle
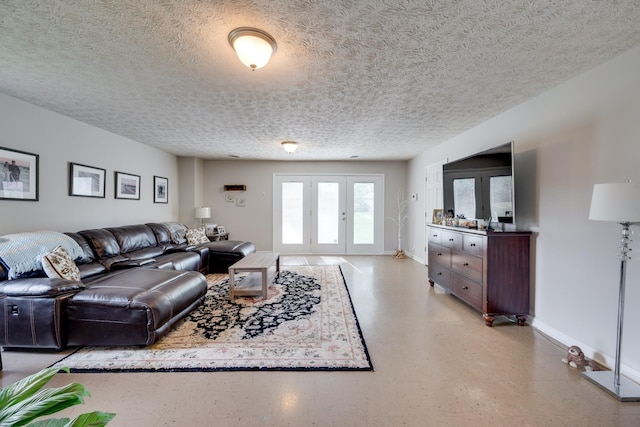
(465, 287)
(473, 244)
(439, 254)
(451, 240)
(439, 273)
(466, 264)
(435, 235)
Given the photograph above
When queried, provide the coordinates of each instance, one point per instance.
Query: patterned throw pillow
(196, 236)
(58, 264)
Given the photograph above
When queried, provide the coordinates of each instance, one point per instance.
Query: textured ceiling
(378, 79)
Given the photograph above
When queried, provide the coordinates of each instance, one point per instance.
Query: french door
(328, 214)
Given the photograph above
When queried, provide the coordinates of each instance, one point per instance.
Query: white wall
(582, 132)
(254, 222)
(60, 140)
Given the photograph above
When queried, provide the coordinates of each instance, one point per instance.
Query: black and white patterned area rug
(306, 323)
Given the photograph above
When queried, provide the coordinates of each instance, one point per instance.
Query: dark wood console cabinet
(489, 270)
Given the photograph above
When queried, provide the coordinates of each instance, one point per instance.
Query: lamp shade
(203, 212)
(618, 202)
(254, 47)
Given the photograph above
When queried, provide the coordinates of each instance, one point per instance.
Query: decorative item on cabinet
(487, 270)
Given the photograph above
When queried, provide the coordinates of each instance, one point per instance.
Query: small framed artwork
(221, 229)
(86, 181)
(19, 179)
(210, 229)
(160, 190)
(127, 186)
(437, 216)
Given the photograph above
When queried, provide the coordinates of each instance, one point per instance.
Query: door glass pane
(500, 195)
(292, 213)
(363, 204)
(464, 197)
(328, 212)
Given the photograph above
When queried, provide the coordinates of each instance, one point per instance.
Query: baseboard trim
(565, 340)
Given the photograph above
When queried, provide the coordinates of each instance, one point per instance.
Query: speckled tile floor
(435, 361)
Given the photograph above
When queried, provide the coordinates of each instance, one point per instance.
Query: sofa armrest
(39, 287)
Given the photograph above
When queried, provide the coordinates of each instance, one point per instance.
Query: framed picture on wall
(86, 181)
(127, 186)
(19, 175)
(160, 190)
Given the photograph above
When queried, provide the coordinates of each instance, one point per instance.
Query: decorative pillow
(196, 236)
(58, 264)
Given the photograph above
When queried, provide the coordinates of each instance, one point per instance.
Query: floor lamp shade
(617, 203)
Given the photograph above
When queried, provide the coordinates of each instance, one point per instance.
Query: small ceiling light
(289, 146)
(254, 47)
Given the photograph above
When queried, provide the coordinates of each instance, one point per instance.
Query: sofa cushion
(133, 237)
(196, 236)
(58, 263)
(87, 251)
(103, 243)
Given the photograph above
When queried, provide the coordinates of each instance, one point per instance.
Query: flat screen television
(481, 186)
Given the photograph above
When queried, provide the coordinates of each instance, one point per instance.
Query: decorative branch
(400, 220)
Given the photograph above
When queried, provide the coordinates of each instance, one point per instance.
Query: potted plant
(23, 402)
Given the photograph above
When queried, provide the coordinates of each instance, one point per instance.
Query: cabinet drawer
(439, 254)
(440, 274)
(467, 265)
(467, 290)
(434, 235)
(451, 239)
(472, 244)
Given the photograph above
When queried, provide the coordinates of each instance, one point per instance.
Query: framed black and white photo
(160, 190)
(221, 229)
(86, 181)
(127, 186)
(19, 175)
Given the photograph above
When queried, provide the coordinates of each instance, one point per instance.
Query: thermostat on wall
(414, 196)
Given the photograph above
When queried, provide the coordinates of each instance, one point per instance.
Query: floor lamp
(617, 203)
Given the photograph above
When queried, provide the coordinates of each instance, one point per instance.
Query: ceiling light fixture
(289, 146)
(254, 47)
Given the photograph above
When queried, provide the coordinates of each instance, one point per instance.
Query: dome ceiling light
(289, 146)
(254, 47)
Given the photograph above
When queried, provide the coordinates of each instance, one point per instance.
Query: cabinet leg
(522, 320)
(431, 282)
(488, 319)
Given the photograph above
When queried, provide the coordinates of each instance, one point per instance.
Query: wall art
(19, 175)
(127, 186)
(160, 189)
(86, 181)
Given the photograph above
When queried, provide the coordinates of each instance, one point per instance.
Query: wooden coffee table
(263, 268)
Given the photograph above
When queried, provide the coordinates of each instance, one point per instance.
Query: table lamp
(202, 214)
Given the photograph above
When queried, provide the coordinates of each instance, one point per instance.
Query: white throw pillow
(196, 236)
(58, 264)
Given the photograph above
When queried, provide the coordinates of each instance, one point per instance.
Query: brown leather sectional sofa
(137, 281)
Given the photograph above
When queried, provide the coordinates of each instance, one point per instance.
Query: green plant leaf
(45, 402)
(92, 419)
(26, 387)
(51, 422)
